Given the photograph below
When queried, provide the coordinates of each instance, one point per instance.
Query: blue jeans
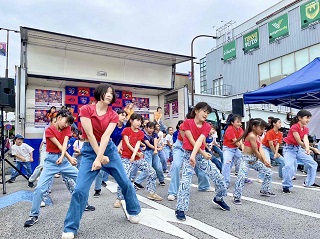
(19, 166)
(178, 152)
(50, 168)
(230, 155)
(209, 169)
(101, 176)
(154, 160)
(85, 179)
(163, 160)
(216, 161)
(167, 150)
(37, 171)
(251, 161)
(143, 166)
(216, 149)
(270, 155)
(291, 153)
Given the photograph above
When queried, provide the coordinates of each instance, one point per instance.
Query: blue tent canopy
(298, 90)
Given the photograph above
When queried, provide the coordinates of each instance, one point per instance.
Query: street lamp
(192, 65)
(7, 54)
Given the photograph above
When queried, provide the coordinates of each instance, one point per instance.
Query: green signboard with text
(229, 51)
(251, 41)
(278, 28)
(309, 13)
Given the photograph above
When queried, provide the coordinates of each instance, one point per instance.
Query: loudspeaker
(7, 96)
(238, 106)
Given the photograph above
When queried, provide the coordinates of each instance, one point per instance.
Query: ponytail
(253, 122)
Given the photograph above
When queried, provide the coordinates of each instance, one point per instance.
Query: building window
(301, 58)
(264, 72)
(314, 52)
(288, 65)
(203, 76)
(275, 70)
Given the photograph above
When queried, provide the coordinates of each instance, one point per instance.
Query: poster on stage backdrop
(140, 104)
(175, 109)
(48, 98)
(40, 118)
(166, 111)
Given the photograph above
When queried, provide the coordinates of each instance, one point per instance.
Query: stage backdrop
(79, 96)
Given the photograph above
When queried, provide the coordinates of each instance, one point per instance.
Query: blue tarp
(299, 90)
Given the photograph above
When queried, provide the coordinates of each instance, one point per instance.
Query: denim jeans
(291, 153)
(101, 176)
(270, 155)
(209, 169)
(85, 179)
(154, 160)
(49, 170)
(251, 161)
(216, 161)
(216, 149)
(230, 155)
(143, 166)
(163, 160)
(37, 171)
(167, 150)
(19, 166)
(178, 153)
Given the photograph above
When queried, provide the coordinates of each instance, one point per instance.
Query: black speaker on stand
(238, 107)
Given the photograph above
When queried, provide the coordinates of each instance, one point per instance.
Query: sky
(166, 25)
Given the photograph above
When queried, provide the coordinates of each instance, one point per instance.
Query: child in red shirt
(297, 147)
(132, 155)
(58, 160)
(98, 121)
(196, 130)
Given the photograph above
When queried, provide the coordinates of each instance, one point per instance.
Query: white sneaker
(211, 189)
(43, 204)
(171, 198)
(134, 219)
(259, 180)
(67, 235)
(117, 203)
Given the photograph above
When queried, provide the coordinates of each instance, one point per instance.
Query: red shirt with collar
(302, 131)
(99, 123)
(231, 134)
(134, 137)
(53, 132)
(271, 135)
(196, 131)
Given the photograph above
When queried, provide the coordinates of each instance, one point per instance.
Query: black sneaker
(236, 201)
(30, 184)
(11, 180)
(162, 184)
(286, 190)
(221, 204)
(138, 186)
(31, 221)
(89, 208)
(267, 194)
(315, 185)
(180, 215)
(103, 184)
(97, 193)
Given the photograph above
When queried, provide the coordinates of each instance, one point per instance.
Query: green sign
(309, 13)
(251, 40)
(278, 28)
(229, 51)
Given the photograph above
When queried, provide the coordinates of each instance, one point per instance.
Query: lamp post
(192, 65)
(7, 54)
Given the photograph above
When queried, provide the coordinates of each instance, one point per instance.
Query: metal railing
(222, 90)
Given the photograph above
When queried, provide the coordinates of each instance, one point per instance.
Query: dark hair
(159, 108)
(301, 114)
(253, 122)
(200, 106)
(67, 114)
(271, 117)
(52, 118)
(150, 124)
(80, 132)
(119, 112)
(179, 123)
(101, 90)
(232, 118)
(273, 122)
(133, 117)
(169, 128)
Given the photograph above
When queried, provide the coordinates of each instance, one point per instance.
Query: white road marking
(159, 218)
(291, 209)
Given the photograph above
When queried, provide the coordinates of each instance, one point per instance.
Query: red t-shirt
(180, 137)
(134, 137)
(271, 135)
(53, 132)
(231, 134)
(189, 124)
(302, 131)
(99, 123)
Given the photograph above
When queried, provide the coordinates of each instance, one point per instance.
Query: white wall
(62, 63)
